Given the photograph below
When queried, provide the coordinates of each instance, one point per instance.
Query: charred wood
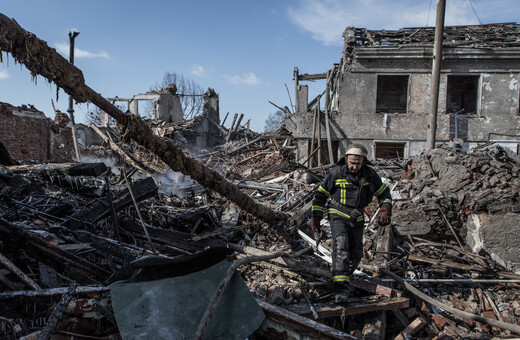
(60, 260)
(142, 190)
(47, 62)
(57, 313)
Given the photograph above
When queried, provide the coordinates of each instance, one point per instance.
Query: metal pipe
(72, 36)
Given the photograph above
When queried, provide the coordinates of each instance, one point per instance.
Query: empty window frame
(390, 150)
(392, 93)
(462, 94)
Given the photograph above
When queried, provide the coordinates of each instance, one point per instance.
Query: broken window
(390, 150)
(461, 94)
(392, 93)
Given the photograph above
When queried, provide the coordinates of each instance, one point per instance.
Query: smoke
(170, 183)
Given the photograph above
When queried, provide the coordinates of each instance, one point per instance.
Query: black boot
(342, 291)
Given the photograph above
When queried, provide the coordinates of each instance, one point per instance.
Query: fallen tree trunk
(40, 59)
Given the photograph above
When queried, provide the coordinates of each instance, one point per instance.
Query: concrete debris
(431, 244)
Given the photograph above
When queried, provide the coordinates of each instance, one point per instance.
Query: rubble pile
(71, 224)
(54, 208)
(445, 187)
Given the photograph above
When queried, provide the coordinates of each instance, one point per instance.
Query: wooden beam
(316, 76)
(327, 112)
(142, 189)
(299, 323)
(373, 287)
(18, 272)
(412, 328)
(461, 266)
(353, 307)
(69, 169)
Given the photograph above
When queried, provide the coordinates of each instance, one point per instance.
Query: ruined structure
(167, 108)
(379, 93)
(28, 135)
(166, 104)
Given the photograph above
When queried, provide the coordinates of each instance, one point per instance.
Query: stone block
(498, 234)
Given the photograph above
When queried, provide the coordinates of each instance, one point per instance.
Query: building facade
(379, 94)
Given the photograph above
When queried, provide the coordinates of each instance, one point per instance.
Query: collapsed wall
(475, 193)
(30, 136)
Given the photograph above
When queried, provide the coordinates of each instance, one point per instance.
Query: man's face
(354, 162)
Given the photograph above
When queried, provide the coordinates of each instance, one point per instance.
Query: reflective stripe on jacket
(349, 191)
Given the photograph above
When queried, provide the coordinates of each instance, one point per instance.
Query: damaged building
(379, 93)
(29, 136)
(87, 252)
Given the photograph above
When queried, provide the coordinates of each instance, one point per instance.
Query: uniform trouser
(347, 248)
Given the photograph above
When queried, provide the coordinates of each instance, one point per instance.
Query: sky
(245, 50)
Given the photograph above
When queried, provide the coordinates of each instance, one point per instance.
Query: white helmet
(357, 150)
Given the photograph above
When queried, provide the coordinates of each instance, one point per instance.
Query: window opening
(390, 150)
(462, 94)
(392, 94)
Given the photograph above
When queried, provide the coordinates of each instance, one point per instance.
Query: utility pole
(72, 36)
(295, 75)
(436, 74)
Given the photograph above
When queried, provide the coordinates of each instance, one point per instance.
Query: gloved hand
(385, 216)
(315, 223)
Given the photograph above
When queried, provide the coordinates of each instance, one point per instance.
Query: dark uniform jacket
(350, 193)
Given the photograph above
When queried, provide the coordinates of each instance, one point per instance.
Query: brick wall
(30, 136)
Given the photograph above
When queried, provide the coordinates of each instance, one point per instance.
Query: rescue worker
(349, 188)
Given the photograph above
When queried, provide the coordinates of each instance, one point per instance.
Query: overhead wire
(471, 4)
(428, 17)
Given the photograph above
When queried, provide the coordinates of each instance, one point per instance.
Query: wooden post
(311, 163)
(290, 101)
(318, 110)
(238, 123)
(72, 36)
(230, 132)
(227, 114)
(327, 124)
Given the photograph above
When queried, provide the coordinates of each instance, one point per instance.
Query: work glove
(315, 223)
(385, 216)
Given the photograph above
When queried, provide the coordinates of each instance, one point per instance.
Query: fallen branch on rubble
(504, 325)
(40, 59)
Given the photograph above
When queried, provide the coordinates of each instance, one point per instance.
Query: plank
(353, 307)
